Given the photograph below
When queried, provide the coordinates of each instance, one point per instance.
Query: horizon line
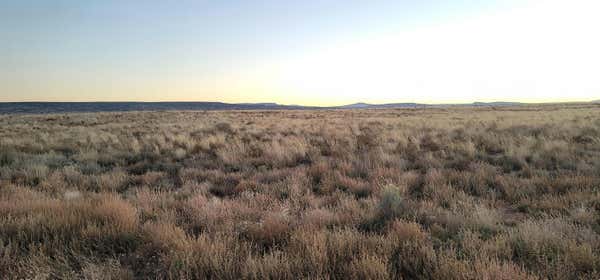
(300, 105)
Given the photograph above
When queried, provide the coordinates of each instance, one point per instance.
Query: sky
(300, 52)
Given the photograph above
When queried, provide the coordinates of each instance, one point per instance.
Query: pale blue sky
(253, 51)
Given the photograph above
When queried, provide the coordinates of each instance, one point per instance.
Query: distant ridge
(381, 106)
(66, 107)
(62, 107)
(497, 103)
(362, 105)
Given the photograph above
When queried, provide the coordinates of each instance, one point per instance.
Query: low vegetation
(456, 193)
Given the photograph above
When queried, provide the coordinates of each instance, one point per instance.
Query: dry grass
(460, 193)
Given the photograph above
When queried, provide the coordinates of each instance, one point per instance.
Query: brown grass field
(441, 193)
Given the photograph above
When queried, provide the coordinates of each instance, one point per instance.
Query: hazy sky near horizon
(300, 52)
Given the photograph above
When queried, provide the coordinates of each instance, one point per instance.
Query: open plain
(437, 193)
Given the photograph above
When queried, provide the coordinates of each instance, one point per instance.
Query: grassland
(459, 193)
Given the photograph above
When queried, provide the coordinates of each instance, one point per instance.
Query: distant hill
(359, 105)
